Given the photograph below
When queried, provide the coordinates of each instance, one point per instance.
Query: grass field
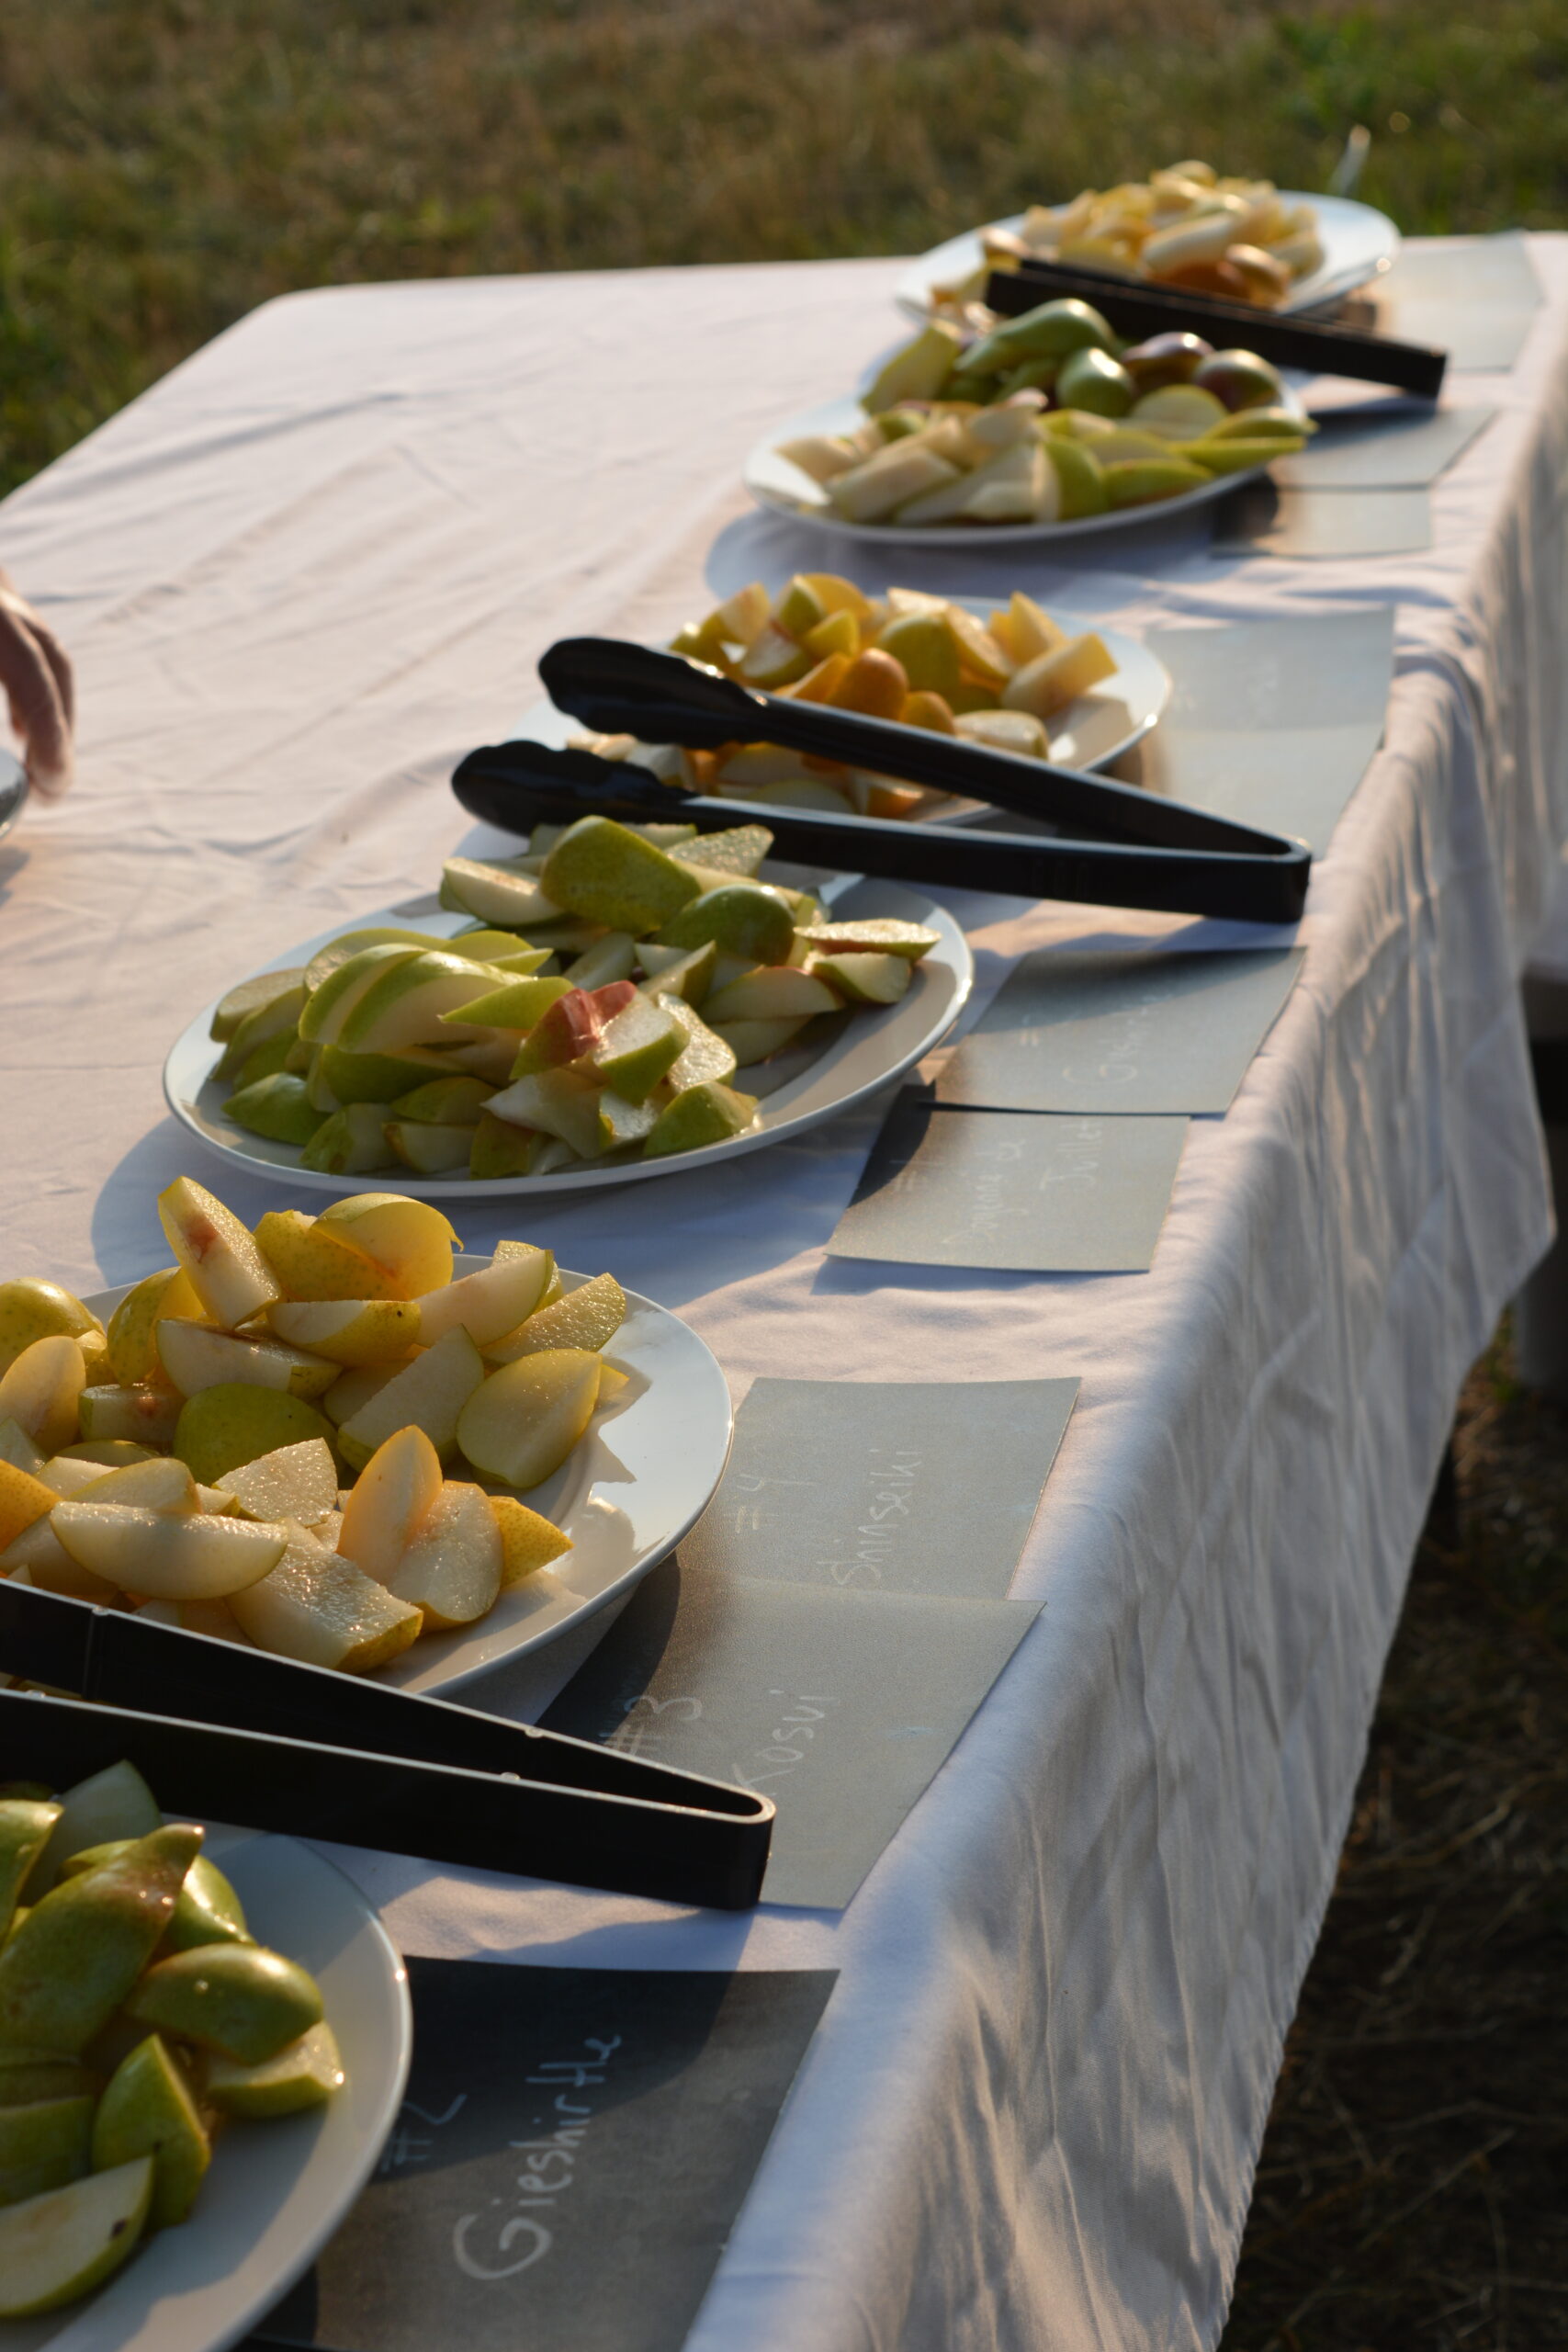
(165, 164)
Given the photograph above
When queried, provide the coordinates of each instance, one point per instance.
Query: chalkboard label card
(1012, 1191)
(572, 2151)
(1404, 451)
(842, 1706)
(910, 1486)
(1145, 1032)
(1263, 519)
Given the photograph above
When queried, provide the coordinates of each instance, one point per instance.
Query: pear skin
(58, 2247)
(208, 1911)
(305, 2074)
(43, 2146)
(147, 2110)
(79, 1949)
(236, 1998)
(25, 1828)
(114, 1803)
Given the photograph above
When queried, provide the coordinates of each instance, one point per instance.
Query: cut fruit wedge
(451, 1571)
(524, 1421)
(225, 1270)
(428, 1395)
(489, 1304)
(297, 1482)
(56, 2247)
(195, 1357)
(394, 1494)
(164, 1554)
(587, 1316)
(319, 1608)
(348, 1332)
(304, 2074)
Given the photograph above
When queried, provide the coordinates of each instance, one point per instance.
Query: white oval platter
(275, 2191)
(813, 1079)
(1358, 243)
(638, 1482)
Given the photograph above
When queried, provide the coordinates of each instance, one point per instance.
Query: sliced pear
(108, 1453)
(395, 1493)
(336, 996)
(23, 1500)
(39, 1559)
(61, 2245)
(239, 1999)
(496, 893)
(428, 1394)
(17, 1448)
(44, 2144)
(164, 1554)
(297, 1482)
(162, 1484)
(132, 1349)
(144, 1416)
(311, 1261)
(348, 1332)
(410, 1240)
(253, 996)
(451, 1572)
(236, 1422)
(227, 1270)
(319, 1608)
(866, 979)
(32, 1308)
(41, 1389)
(352, 1389)
(753, 1041)
(704, 1113)
(147, 2110)
(490, 1303)
(587, 1316)
(195, 1357)
(520, 1424)
(66, 1474)
(305, 2074)
(773, 992)
(528, 1539)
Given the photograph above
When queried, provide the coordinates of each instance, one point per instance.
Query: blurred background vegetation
(165, 164)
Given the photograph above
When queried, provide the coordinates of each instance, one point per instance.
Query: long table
(300, 578)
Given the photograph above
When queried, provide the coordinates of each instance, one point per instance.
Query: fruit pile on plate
(484, 1056)
(1183, 226)
(1046, 418)
(138, 2014)
(190, 1461)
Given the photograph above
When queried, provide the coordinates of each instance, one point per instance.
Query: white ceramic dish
(783, 489)
(630, 1489)
(1358, 243)
(854, 1055)
(1090, 733)
(275, 2191)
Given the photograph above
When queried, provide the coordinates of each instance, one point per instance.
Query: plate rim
(954, 957)
(102, 1303)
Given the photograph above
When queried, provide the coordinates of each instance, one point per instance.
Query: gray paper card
(841, 1706)
(910, 1486)
(1012, 1191)
(573, 2151)
(1150, 1032)
(1400, 452)
(1263, 520)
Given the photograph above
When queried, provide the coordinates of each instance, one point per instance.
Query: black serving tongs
(235, 1735)
(1129, 848)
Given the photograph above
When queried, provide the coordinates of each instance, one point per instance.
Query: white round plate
(1358, 243)
(1090, 733)
(275, 2191)
(783, 489)
(638, 1482)
(812, 1080)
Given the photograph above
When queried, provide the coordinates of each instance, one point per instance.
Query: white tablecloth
(314, 566)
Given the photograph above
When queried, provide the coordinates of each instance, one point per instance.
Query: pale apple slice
(587, 1316)
(24, 1499)
(168, 1555)
(195, 1357)
(133, 1348)
(227, 1270)
(39, 1557)
(395, 1493)
(451, 1571)
(41, 1389)
(61, 2245)
(486, 1305)
(163, 1484)
(428, 1394)
(772, 992)
(312, 1262)
(524, 1421)
(350, 1331)
(323, 1609)
(137, 1416)
(297, 1482)
(409, 1240)
(528, 1539)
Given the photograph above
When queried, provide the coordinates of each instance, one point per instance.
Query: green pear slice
(353, 1142)
(444, 1102)
(637, 1047)
(59, 2246)
(323, 1609)
(25, 1825)
(587, 1316)
(17, 1448)
(451, 1571)
(115, 1804)
(411, 1239)
(304, 2074)
(220, 1428)
(237, 1998)
(747, 919)
(753, 1041)
(296, 1482)
(147, 2110)
(250, 995)
(703, 1057)
(194, 1357)
(524, 1421)
(43, 2146)
(350, 943)
(26, 2075)
(206, 1910)
(428, 1395)
(312, 1262)
(69, 1966)
(404, 1005)
(774, 992)
(489, 1304)
(352, 1389)
(227, 1270)
(867, 979)
(882, 934)
(164, 1554)
(343, 987)
(605, 873)
(706, 1113)
(349, 1331)
(428, 1149)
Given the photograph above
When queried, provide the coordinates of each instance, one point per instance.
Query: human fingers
(33, 696)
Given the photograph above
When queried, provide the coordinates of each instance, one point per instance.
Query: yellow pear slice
(451, 1571)
(165, 1554)
(39, 1555)
(354, 1388)
(492, 1302)
(528, 1539)
(317, 1607)
(587, 1316)
(524, 1421)
(292, 1482)
(144, 1416)
(409, 1240)
(349, 1331)
(133, 1348)
(312, 1262)
(194, 1357)
(23, 1500)
(65, 1476)
(396, 1491)
(56, 2247)
(163, 1484)
(227, 1270)
(40, 1390)
(428, 1394)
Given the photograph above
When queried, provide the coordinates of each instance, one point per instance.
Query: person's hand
(36, 676)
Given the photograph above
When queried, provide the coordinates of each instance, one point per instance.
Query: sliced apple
(323, 1609)
(520, 1424)
(348, 1332)
(312, 1262)
(304, 2074)
(410, 1240)
(61, 2245)
(394, 1494)
(227, 1270)
(41, 1389)
(451, 1571)
(587, 1316)
(297, 1482)
(528, 1539)
(168, 1555)
(428, 1394)
(194, 1357)
(489, 1304)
